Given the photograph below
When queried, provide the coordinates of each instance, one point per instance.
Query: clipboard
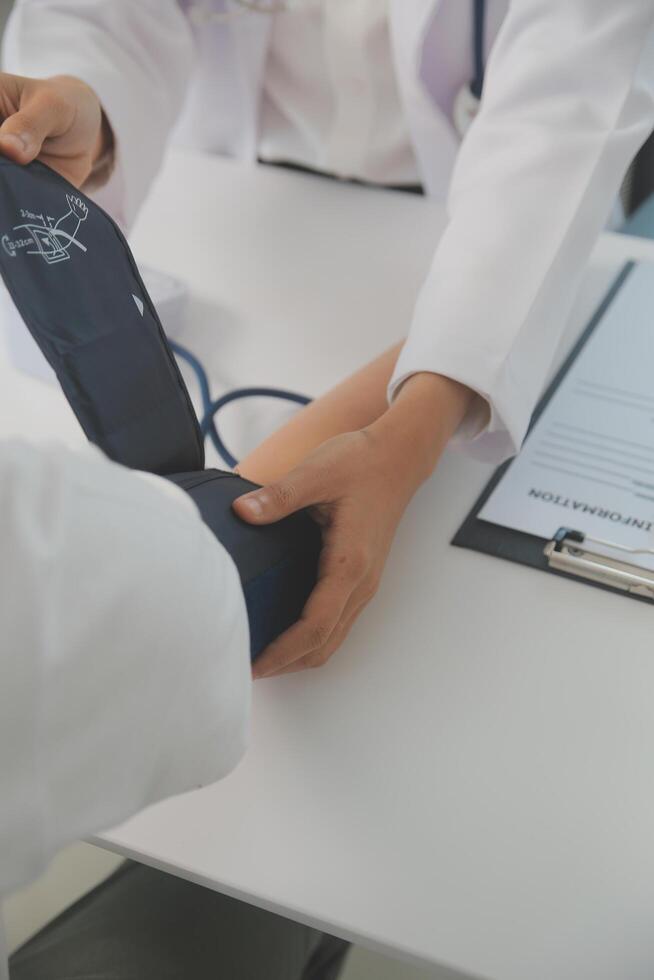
(568, 552)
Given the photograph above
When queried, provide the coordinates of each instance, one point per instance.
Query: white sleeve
(136, 54)
(124, 663)
(568, 100)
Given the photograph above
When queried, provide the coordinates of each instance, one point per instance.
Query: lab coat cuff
(496, 422)
(118, 196)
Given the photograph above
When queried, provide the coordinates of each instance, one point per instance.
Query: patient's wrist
(426, 412)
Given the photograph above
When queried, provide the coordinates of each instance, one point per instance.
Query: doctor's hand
(56, 120)
(357, 486)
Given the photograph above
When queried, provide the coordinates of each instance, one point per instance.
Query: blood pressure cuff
(73, 279)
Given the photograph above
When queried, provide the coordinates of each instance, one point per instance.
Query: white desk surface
(470, 782)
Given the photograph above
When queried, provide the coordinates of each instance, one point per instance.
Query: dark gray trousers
(142, 924)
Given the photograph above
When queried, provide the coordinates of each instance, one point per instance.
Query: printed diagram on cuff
(43, 236)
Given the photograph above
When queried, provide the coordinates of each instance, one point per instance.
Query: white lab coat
(124, 665)
(568, 99)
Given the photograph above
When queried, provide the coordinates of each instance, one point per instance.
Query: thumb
(300, 488)
(23, 133)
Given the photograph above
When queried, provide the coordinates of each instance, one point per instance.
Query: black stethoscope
(468, 98)
(478, 25)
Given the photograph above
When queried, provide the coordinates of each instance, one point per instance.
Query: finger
(336, 640)
(303, 486)
(339, 577)
(319, 618)
(357, 602)
(40, 116)
(341, 573)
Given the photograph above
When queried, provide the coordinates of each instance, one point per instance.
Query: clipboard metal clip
(568, 552)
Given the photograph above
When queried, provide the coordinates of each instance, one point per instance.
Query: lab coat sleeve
(137, 55)
(568, 100)
(124, 654)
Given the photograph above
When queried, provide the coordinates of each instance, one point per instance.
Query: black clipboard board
(518, 546)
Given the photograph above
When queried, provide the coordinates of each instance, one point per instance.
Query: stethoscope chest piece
(465, 109)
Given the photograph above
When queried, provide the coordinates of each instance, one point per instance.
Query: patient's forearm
(353, 404)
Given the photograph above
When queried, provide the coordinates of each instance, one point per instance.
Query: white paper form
(588, 463)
